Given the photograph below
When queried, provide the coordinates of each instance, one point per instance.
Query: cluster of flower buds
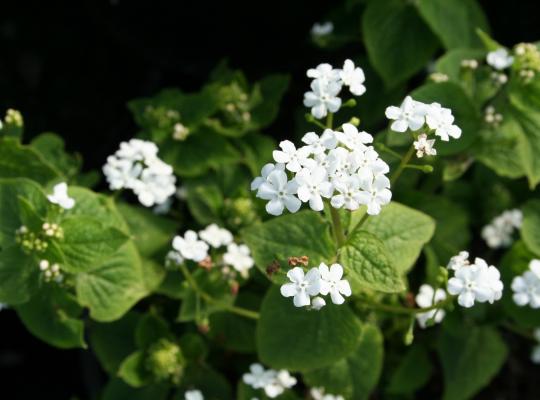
(53, 230)
(492, 117)
(527, 60)
(29, 241)
(50, 272)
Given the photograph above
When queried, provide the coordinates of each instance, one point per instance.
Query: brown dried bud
(272, 268)
(206, 263)
(294, 261)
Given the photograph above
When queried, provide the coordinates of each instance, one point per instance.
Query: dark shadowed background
(71, 66)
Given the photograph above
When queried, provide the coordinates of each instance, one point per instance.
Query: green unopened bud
(442, 276)
(349, 103)
(427, 169)
(165, 361)
(409, 335)
(355, 121)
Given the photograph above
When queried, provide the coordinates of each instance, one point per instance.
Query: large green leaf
(272, 88)
(403, 230)
(454, 21)
(298, 339)
(133, 370)
(18, 276)
(452, 96)
(530, 231)
(368, 265)
(96, 205)
(398, 42)
(470, 359)
(53, 316)
(356, 375)
(51, 147)
(302, 234)
(413, 371)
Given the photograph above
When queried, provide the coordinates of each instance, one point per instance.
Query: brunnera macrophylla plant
(338, 262)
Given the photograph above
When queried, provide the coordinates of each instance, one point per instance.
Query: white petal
(274, 207)
(288, 289)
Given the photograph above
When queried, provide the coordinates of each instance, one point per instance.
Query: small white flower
(265, 171)
(442, 121)
(424, 146)
(353, 77)
(302, 286)
(375, 193)
(323, 98)
(216, 236)
(331, 283)
(317, 303)
(499, 59)
(324, 72)
(459, 261)
(318, 145)
(282, 380)
(290, 156)
(349, 193)
(239, 257)
(258, 377)
(526, 287)
(352, 138)
(280, 193)
(322, 29)
(190, 247)
(410, 115)
(193, 395)
(499, 232)
(427, 297)
(180, 131)
(313, 186)
(60, 196)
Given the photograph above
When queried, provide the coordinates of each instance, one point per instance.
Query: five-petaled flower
(302, 286)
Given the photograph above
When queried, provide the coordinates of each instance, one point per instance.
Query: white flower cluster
(327, 84)
(272, 382)
(499, 59)
(424, 146)
(492, 117)
(499, 231)
(319, 394)
(60, 196)
(339, 166)
(193, 395)
(526, 287)
(474, 282)
(427, 296)
(535, 354)
(190, 247)
(414, 115)
(318, 281)
(136, 166)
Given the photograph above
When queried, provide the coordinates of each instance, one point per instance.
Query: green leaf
(212, 384)
(87, 242)
(18, 276)
(403, 230)
(51, 147)
(150, 329)
(368, 265)
(205, 200)
(530, 231)
(133, 370)
(257, 151)
(193, 347)
(98, 206)
(470, 359)
(489, 43)
(19, 161)
(53, 316)
(152, 234)
(110, 288)
(451, 95)
(116, 389)
(272, 88)
(398, 42)
(413, 371)
(356, 375)
(454, 21)
(301, 234)
(233, 332)
(298, 339)
(112, 342)
(450, 62)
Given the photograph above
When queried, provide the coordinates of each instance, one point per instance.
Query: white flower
(180, 131)
(239, 257)
(290, 156)
(155, 184)
(190, 247)
(322, 29)
(526, 287)
(265, 171)
(319, 394)
(353, 139)
(258, 377)
(324, 72)
(280, 193)
(318, 145)
(282, 380)
(427, 297)
(173, 257)
(60, 196)
(216, 236)
(193, 395)
(332, 283)
(441, 120)
(459, 261)
(353, 77)
(367, 163)
(312, 184)
(349, 193)
(477, 282)
(317, 303)
(323, 98)
(499, 59)
(410, 115)
(302, 286)
(424, 146)
(375, 193)
(499, 232)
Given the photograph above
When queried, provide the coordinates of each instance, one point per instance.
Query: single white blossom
(290, 156)
(319, 144)
(459, 261)
(348, 193)
(313, 185)
(302, 286)
(239, 257)
(352, 138)
(216, 236)
(424, 146)
(353, 77)
(375, 193)
(193, 395)
(190, 247)
(265, 171)
(410, 115)
(442, 121)
(258, 377)
(323, 98)
(280, 192)
(324, 73)
(333, 284)
(60, 196)
(428, 297)
(499, 59)
(526, 287)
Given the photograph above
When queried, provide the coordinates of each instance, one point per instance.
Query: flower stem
(329, 120)
(383, 147)
(404, 310)
(209, 299)
(338, 229)
(404, 161)
(359, 224)
(312, 120)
